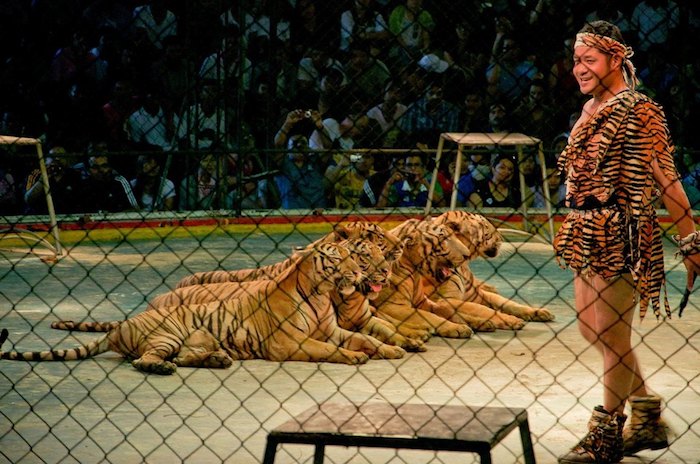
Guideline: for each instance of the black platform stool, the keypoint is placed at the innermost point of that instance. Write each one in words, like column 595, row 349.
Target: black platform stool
column 412, row 426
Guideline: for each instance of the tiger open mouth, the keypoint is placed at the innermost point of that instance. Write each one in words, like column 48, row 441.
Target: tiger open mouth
column 370, row 289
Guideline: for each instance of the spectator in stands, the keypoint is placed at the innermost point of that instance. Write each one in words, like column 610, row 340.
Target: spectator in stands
column 173, row 73
column 347, row 178
column 64, row 183
column 557, row 190
column 497, row 190
column 374, row 184
column 367, row 76
column 474, row 116
column 563, row 87
column 388, row 114
column 411, row 27
column 410, row 186
column 508, row 74
column 9, row 197
column 499, row 119
column 227, row 66
column 149, row 127
column 535, row 116
column 476, row 170
column 152, row 191
column 654, row 21
column 157, row 20
column 121, row 104
column 301, row 184
column 204, row 124
column 244, row 170
column 446, row 173
column 608, row 11
column 430, row 115
column 311, row 26
column 203, row 190
column 306, row 123
column 314, row 66
column 363, row 23
column 105, row 189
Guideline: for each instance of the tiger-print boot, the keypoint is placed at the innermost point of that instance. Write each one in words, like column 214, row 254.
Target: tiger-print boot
column 646, row 429
column 603, row 442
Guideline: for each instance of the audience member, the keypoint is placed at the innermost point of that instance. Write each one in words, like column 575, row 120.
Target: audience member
column 244, row 189
column 152, row 190
column 157, row 20
column 474, row 117
column 301, row 184
column 367, row 76
column 116, row 111
column 535, row 115
column 9, row 197
column 499, row 119
column 348, row 176
column 227, row 66
column 557, row 191
column 105, row 190
column 314, row 66
column 476, row 170
column 149, row 127
column 431, row 115
column 374, row 184
column 508, row 73
column 497, row 190
column 411, row 27
column 410, row 187
column 203, row 189
column 388, row 114
column 64, row 184
column 363, row 23
column 204, row 123
column 654, row 21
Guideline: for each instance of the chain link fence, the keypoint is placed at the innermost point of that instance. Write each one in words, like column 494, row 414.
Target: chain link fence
column 181, row 137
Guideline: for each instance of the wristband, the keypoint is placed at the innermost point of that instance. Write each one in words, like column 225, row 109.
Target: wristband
column 688, row 245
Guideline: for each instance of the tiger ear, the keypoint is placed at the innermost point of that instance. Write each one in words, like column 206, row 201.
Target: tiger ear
column 412, row 238
column 341, row 231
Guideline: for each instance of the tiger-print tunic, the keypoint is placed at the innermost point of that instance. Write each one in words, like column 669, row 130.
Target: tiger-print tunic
column 612, row 228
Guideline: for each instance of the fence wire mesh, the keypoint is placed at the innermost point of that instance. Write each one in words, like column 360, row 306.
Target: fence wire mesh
column 182, row 137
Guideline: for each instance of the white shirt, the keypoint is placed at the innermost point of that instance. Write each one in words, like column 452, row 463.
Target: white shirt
column 143, row 17
column 167, row 191
column 145, row 127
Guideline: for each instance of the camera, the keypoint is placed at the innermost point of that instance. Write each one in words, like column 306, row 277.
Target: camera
column 355, row 158
column 307, row 113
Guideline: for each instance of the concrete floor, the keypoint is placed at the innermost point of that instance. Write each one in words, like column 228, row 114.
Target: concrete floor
column 103, row 410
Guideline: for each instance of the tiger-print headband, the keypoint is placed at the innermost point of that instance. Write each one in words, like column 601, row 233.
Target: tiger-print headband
column 613, row 47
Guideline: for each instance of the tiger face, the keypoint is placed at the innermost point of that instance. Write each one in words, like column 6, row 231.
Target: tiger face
column 376, row 270
column 435, row 249
column 336, row 268
column 475, row 231
column 390, row 245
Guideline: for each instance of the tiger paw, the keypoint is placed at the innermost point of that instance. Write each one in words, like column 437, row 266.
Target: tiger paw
column 389, row 352
column 452, row 330
column 412, row 344
column 159, row 367
column 356, row 357
column 542, row 315
column 218, row 360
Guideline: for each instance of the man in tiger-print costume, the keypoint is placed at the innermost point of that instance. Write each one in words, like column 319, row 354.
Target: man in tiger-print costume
column 242, row 327
column 618, row 153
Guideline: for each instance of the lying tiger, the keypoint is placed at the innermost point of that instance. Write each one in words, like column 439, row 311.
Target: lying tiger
column 352, row 311
column 482, row 239
column 389, row 244
column 242, row 327
column 429, row 248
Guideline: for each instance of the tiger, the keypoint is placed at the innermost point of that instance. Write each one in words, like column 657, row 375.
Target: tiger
column 484, row 240
column 428, row 248
column 390, row 245
column 352, row 311
column 243, row 327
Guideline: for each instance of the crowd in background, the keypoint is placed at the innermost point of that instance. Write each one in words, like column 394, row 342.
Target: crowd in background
column 188, row 105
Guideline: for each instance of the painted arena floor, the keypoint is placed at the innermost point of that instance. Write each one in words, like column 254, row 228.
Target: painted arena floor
column 103, row 410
